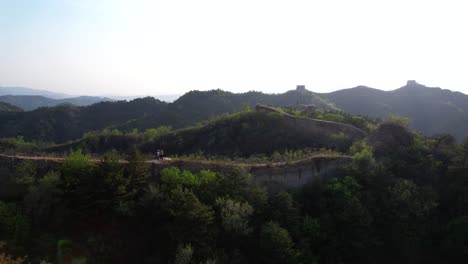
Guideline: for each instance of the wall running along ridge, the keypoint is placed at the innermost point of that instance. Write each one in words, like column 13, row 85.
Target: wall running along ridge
column 316, row 125
column 274, row 176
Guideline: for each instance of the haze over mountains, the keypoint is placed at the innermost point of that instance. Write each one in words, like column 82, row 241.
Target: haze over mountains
column 29, row 91
column 430, row 110
column 31, row 102
column 30, row 99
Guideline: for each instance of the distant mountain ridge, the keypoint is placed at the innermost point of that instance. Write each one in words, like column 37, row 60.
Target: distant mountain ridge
column 31, row 102
column 55, row 95
column 166, row 98
column 62, row 123
column 431, row 110
column 30, row 91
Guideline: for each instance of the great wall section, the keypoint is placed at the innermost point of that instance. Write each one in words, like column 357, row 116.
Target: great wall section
column 274, row 176
column 314, row 125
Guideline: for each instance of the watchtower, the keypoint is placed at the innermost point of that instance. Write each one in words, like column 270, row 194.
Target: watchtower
column 300, row 88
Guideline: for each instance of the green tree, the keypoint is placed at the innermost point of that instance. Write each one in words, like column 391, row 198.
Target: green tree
column 137, row 172
column 77, row 172
column 110, row 182
column 234, row 215
column 25, row 172
column 190, row 221
column 155, row 132
column 234, row 184
column 276, row 246
column 345, row 220
column 207, row 177
column 173, row 176
column 401, row 120
column 406, row 220
column 246, row 107
column 14, row 225
column 284, row 212
column 311, row 237
column 363, row 158
column 43, row 199
column 184, row 254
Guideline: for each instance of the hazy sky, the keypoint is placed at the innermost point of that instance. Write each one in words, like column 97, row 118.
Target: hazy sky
column 172, row 46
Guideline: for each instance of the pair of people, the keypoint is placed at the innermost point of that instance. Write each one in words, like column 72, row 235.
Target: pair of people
column 160, row 154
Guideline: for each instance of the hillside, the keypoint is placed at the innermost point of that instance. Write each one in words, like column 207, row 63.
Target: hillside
column 255, row 133
column 430, row 110
column 63, row 123
column 197, row 104
column 236, row 135
column 6, row 107
column 382, row 203
column 31, row 102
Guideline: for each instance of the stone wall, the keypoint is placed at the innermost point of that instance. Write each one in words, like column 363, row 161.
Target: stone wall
column 278, row 176
column 316, row 126
column 298, row 174
column 275, row 176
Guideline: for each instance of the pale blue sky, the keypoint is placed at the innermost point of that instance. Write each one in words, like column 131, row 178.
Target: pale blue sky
column 172, row 46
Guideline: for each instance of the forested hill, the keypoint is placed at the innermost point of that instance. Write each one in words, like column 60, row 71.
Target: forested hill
column 6, row 107
column 59, row 124
column 68, row 122
column 430, row 110
column 244, row 134
column 218, row 101
column 401, row 198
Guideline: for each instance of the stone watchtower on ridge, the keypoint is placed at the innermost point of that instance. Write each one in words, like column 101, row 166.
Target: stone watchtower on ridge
column 300, row 88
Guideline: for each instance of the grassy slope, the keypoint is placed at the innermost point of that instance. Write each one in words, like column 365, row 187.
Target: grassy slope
column 241, row 134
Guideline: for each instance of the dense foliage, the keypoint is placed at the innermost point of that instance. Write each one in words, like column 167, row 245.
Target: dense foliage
column 430, row 110
column 310, row 111
column 402, row 199
column 62, row 123
column 249, row 133
column 244, row 134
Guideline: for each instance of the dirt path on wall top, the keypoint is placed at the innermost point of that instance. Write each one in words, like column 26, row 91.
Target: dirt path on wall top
column 58, row 159
column 274, row 109
column 169, row 161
